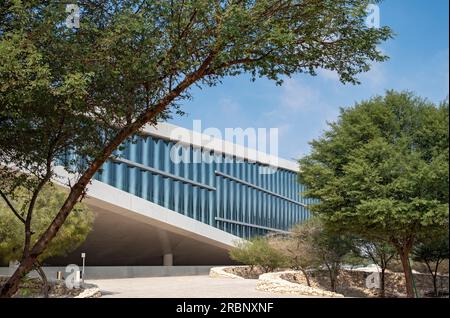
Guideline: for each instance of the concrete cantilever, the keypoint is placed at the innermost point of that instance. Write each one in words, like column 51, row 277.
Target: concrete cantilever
column 101, row 195
column 131, row 231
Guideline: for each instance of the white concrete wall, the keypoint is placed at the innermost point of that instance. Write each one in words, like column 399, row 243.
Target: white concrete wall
column 110, row 272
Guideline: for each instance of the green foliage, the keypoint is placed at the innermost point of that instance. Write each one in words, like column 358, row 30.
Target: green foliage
column 258, row 252
column 67, row 89
column 331, row 247
column 381, row 171
column 378, row 253
column 297, row 250
column 322, row 247
column 433, row 251
column 78, row 94
column 70, row 236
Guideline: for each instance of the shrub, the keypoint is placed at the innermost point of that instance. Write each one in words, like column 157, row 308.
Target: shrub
column 259, row 252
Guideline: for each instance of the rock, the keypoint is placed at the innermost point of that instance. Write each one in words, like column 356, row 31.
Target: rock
column 273, row 282
column 220, row 272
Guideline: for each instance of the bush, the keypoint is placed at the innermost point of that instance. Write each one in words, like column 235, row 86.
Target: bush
column 259, row 252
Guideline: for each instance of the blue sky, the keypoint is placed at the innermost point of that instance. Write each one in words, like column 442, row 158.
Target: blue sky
column 300, row 108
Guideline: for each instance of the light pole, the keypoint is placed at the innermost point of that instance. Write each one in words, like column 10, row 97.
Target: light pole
column 83, row 256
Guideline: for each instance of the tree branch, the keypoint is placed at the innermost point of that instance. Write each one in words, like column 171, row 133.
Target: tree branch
column 11, row 206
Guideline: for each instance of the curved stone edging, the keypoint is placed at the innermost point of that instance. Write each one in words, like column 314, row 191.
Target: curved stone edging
column 272, row 282
column 219, row 272
column 92, row 291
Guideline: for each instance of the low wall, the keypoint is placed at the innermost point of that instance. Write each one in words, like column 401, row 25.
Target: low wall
column 352, row 283
column 243, row 272
column 274, row 283
column 223, row 272
column 269, row 282
column 110, row 272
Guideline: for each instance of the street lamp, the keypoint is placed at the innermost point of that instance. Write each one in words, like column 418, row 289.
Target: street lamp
column 83, row 256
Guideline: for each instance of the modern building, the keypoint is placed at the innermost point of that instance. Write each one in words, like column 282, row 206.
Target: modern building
column 178, row 197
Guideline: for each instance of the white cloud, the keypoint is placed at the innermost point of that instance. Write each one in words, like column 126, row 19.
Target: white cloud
column 296, row 96
column 375, row 77
column 328, row 74
column 227, row 105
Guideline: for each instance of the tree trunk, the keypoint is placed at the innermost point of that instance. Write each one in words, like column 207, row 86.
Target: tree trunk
column 333, row 279
column 34, row 197
column 11, row 286
column 46, row 287
column 383, row 283
column 306, row 277
column 434, row 277
column 436, row 291
column 332, row 282
column 404, row 257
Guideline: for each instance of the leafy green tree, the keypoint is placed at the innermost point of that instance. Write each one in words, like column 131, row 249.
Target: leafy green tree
column 381, row 172
column 380, row 254
column 84, row 91
column 258, row 252
column 70, row 236
column 432, row 251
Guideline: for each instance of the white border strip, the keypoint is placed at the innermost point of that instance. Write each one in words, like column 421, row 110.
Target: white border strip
column 169, row 131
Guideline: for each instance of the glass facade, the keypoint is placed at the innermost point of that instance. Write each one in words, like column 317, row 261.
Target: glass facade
column 220, row 190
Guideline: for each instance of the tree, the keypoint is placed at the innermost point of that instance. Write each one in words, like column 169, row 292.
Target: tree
column 432, row 251
column 297, row 253
column 70, row 236
column 298, row 248
column 84, row 91
column 331, row 248
column 311, row 246
column 380, row 253
column 258, row 252
column 381, row 172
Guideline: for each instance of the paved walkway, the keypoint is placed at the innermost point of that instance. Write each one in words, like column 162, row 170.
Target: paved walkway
column 182, row 286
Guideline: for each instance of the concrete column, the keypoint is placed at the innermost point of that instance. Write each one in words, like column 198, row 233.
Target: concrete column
column 168, row 259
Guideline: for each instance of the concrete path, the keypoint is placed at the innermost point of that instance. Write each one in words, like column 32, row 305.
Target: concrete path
column 181, row 287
